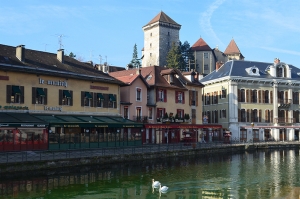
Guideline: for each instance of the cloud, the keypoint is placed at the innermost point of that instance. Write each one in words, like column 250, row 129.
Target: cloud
column 281, row 50
column 206, row 17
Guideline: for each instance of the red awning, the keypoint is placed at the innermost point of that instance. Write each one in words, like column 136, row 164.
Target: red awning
column 182, row 126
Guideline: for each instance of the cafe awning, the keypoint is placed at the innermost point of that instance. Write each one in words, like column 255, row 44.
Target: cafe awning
column 112, row 97
column 40, row 92
column 12, row 119
column 88, row 121
column 100, row 96
column 16, row 90
column 67, row 94
column 88, row 95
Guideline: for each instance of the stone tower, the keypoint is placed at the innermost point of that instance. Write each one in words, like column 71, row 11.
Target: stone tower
column 159, row 34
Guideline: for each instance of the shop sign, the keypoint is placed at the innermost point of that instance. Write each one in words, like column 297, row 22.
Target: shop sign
column 54, row 83
column 24, row 125
column 99, row 87
column 53, row 108
column 14, row 107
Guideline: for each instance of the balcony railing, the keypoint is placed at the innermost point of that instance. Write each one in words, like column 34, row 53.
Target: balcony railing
column 284, row 120
column 284, row 103
column 142, row 119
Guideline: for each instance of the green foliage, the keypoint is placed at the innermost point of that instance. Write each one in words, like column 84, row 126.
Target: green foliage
column 135, row 62
column 186, row 116
column 166, row 115
column 72, row 55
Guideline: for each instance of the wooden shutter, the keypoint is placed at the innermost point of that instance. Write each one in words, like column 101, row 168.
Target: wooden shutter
column 46, row 96
column 248, row 115
column 196, row 95
column 266, row 115
column 165, row 95
column 190, row 97
column 8, row 93
column 157, row 94
column 259, row 96
column 271, row 97
column 259, row 115
column 95, row 99
column 60, row 96
column 82, row 98
column 251, row 96
column 239, row 95
column 33, row 95
column 183, row 98
column 105, row 100
column 286, row 98
column 71, row 99
column 176, row 96
column 220, row 95
column 115, row 102
column 271, row 115
column 263, row 97
column 22, row 95
column 247, row 95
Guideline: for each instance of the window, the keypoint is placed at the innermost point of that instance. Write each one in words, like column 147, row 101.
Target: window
column 161, row 95
column 207, row 99
column 15, row 94
column 39, row 95
column 180, row 113
column 243, row 134
column 243, row 115
column 205, row 55
column 266, row 96
column 126, row 112
column 138, row 114
column 223, row 113
column 295, row 97
column 254, row 96
column 205, row 66
column 150, row 45
column 150, row 54
column 151, row 34
column 100, row 99
column 150, row 113
column 179, row 97
column 112, row 102
column 168, row 33
column 224, row 93
column 193, row 98
column 242, row 96
column 86, row 98
column 65, row 97
column 138, row 94
column 160, row 112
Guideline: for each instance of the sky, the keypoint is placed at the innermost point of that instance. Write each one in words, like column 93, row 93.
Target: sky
column 107, row 30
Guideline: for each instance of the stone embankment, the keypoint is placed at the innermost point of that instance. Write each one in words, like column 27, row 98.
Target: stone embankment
column 45, row 160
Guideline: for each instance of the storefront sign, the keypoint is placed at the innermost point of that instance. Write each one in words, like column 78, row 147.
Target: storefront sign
column 99, row 87
column 24, row 125
column 51, row 108
column 4, row 77
column 54, row 83
column 14, row 107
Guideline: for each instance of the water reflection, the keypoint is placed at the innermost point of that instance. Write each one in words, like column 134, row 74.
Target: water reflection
column 264, row 174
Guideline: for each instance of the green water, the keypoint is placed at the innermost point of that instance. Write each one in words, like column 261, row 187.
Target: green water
column 261, row 174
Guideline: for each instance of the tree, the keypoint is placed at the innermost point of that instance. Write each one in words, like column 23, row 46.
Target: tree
column 180, row 56
column 72, row 55
column 135, row 62
column 174, row 58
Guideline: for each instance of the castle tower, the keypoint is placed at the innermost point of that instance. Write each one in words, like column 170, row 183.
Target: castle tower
column 159, row 34
column 233, row 52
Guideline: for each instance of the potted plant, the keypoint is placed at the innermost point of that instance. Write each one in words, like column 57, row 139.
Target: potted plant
column 186, row 117
column 178, row 119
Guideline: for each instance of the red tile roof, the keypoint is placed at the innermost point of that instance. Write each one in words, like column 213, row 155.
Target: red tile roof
column 232, row 48
column 162, row 17
column 127, row 79
column 201, row 45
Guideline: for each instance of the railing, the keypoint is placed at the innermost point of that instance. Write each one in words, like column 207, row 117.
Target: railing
column 284, row 120
column 34, row 156
column 143, row 119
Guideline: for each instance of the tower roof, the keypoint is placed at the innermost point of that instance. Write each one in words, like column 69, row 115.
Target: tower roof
column 232, row 48
column 201, row 45
column 162, row 17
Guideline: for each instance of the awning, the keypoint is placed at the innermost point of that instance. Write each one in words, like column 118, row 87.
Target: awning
column 67, row 94
column 88, row 121
column 100, row 96
column 112, row 97
column 23, row 120
column 16, row 90
column 183, row 126
column 40, row 92
column 88, row 95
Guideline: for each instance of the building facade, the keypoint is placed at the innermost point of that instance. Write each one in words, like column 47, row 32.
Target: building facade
column 255, row 101
column 52, row 101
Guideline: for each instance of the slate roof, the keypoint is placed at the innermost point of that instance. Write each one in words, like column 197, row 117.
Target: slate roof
column 237, row 68
column 39, row 62
column 162, row 17
column 201, row 45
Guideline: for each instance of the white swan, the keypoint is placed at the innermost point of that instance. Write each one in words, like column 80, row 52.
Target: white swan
column 155, row 184
column 163, row 188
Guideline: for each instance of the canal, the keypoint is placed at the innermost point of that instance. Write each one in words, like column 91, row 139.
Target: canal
column 258, row 174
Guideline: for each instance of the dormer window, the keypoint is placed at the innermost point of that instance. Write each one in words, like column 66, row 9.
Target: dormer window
column 253, row 71
column 171, row 78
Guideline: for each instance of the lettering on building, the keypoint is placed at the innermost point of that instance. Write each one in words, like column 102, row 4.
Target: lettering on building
column 54, row 83
column 14, row 107
column 52, row 108
column 99, row 87
column 4, row 77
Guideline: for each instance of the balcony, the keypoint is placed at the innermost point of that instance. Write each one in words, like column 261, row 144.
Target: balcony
column 142, row 119
column 284, row 103
column 282, row 120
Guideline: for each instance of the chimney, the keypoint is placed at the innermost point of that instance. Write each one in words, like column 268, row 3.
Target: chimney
column 218, row 65
column 138, row 71
column 20, row 52
column 276, row 61
column 60, row 55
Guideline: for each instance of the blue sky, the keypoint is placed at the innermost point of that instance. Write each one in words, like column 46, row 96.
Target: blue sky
column 262, row 29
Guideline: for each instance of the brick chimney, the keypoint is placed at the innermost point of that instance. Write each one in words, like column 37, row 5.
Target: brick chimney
column 20, row 52
column 218, row 65
column 60, row 55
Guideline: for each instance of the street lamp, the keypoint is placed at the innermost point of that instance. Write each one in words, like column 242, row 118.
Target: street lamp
column 252, row 124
